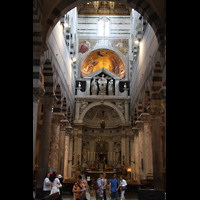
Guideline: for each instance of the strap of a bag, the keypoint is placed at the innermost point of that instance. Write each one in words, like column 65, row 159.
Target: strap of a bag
column 79, row 186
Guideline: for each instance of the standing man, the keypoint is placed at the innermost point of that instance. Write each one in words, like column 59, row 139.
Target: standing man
column 99, row 194
column 47, row 186
column 114, row 187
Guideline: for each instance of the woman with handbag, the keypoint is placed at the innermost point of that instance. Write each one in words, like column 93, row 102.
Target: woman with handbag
column 79, row 189
column 55, row 185
column 123, row 187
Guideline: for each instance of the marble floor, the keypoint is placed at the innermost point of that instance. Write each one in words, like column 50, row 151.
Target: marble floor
column 67, row 197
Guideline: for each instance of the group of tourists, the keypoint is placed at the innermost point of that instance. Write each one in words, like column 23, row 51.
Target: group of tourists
column 82, row 192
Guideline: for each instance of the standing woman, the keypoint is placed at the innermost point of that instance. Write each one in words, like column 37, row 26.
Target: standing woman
column 55, row 184
column 104, row 180
column 123, row 185
column 79, row 188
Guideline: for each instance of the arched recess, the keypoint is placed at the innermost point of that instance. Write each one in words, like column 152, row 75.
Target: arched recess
column 64, row 107
column 48, row 77
column 57, row 107
column 148, row 9
column 156, row 85
column 147, row 100
column 68, row 114
column 106, row 104
column 140, row 109
column 109, row 48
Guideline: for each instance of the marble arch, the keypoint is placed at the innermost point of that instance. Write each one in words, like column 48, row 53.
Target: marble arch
column 106, row 104
column 152, row 12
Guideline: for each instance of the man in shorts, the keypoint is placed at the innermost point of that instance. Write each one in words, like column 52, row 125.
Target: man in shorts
column 114, row 187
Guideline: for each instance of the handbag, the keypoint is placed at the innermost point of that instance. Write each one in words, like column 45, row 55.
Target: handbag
column 59, row 186
column 83, row 196
column 123, row 188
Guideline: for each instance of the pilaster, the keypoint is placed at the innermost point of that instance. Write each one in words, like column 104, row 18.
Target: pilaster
column 155, row 112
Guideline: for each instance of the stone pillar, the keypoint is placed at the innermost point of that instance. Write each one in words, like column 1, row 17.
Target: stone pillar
column 69, row 170
column 37, row 93
column 126, row 106
column 140, row 126
column 47, row 101
column 155, row 112
column 136, row 144
column 63, row 125
column 78, row 143
column 132, row 156
column 77, row 109
column 123, row 146
column 55, row 140
column 148, row 154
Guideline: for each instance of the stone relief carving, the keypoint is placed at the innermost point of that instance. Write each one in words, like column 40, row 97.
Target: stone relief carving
column 84, row 104
column 120, row 105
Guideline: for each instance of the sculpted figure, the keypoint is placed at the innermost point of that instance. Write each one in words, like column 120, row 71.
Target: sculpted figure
column 110, row 87
column 102, row 85
column 94, row 87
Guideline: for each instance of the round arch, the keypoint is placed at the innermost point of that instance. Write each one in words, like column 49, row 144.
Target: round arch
column 106, row 104
column 149, row 9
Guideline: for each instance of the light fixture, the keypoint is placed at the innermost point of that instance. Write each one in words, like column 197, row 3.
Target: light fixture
column 136, row 40
column 74, row 59
column 66, row 25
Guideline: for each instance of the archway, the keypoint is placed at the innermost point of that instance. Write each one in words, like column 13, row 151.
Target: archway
column 106, row 104
column 152, row 12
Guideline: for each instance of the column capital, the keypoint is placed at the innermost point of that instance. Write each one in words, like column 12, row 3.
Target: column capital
column 56, row 117
column 146, row 117
column 135, row 131
column 69, row 130
column 48, row 101
column 155, row 111
column 38, row 92
column 63, row 124
column 140, row 124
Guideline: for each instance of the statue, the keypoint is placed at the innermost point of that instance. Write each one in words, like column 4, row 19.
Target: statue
column 117, row 155
column 110, row 87
column 102, row 85
column 94, row 87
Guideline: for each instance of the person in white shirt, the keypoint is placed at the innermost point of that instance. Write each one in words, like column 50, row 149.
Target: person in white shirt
column 55, row 184
column 99, row 193
column 47, row 185
column 122, row 184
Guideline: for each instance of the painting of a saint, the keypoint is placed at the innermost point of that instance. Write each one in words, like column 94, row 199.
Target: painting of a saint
column 84, row 46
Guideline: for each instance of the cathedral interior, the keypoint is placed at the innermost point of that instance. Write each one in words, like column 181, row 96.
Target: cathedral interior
column 99, row 90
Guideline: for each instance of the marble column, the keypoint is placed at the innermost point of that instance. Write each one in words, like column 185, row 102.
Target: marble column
column 63, row 125
column 55, row 140
column 148, row 154
column 132, row 156
column 70, row 157
column 37, row 93
column 155, row 112
column 136, row 144
column 123, row 146
column 47, row 101
column 126, row 106
column 77, row 109
column 140, row 126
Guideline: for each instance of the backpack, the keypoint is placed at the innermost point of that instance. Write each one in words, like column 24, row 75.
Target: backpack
column 95, row 187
